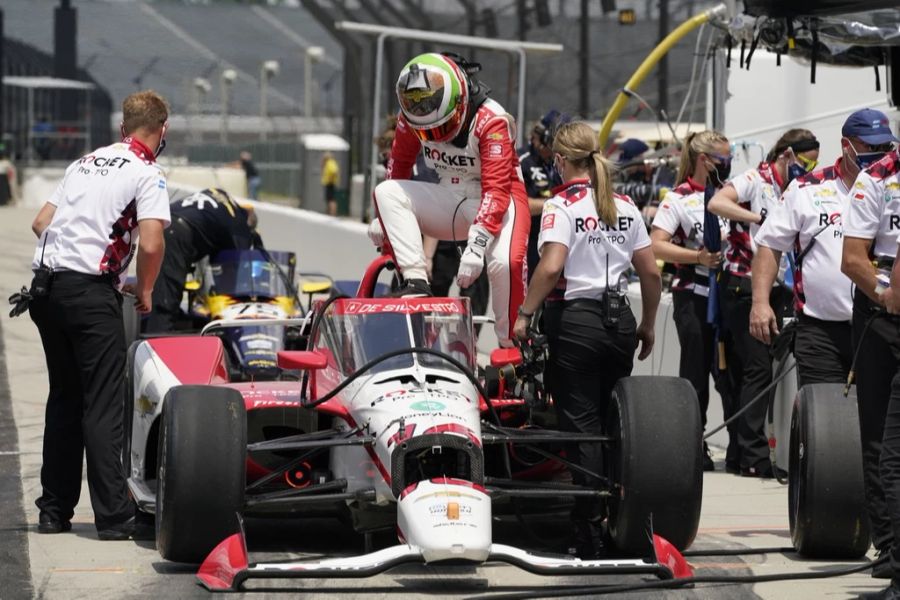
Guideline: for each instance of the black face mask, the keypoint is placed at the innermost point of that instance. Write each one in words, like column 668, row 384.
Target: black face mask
column 720, row 173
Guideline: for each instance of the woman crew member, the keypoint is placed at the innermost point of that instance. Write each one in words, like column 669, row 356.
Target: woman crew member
column 677, row 236
column 589, row 237
column 745, row 201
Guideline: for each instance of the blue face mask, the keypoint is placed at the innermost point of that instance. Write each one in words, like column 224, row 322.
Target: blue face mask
column 794, row 171
column 866, row 159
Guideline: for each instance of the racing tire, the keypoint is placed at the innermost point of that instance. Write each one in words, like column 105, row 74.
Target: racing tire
column 826, row 497
column 201, row 470
column 654, row 462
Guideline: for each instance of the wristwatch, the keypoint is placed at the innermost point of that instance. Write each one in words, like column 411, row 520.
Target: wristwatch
column 521, row 312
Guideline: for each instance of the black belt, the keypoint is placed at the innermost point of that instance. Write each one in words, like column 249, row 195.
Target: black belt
column 560, row 303
column 107, row 278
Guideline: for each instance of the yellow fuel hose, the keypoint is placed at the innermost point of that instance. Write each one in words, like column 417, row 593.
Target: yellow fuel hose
column 650, row 62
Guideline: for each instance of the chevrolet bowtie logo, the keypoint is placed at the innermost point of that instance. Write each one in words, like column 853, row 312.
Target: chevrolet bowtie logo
column 418, row 95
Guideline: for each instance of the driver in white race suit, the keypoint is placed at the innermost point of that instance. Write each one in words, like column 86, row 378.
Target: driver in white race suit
column 468, row 140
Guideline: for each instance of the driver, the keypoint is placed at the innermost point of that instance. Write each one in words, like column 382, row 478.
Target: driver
column 202, row 225
column 467, row 139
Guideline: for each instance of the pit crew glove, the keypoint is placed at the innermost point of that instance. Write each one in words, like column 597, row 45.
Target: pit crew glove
column 472, row 261
column 19, row 302
column 376, row 234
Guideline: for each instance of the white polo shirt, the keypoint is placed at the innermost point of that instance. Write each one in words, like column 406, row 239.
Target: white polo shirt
column 99, row 202
column 875, row 206
column 682, row 214
column 598, row 254
column 814, row 207
column 758, row 190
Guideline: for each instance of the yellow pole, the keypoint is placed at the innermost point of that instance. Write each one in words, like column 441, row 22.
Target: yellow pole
column 650, row 62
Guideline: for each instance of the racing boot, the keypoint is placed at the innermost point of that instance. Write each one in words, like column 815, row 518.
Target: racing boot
column 412, row 288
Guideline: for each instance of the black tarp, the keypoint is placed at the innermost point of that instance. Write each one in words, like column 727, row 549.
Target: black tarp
column 794, row 8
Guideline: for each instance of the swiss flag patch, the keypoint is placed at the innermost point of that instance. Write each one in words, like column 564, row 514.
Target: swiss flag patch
column 547, row 221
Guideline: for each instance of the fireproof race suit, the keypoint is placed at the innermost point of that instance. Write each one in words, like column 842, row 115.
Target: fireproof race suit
column 480, row 197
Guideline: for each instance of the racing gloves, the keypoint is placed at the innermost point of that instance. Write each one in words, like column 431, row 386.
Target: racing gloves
column 472, row 261
column 376, row 233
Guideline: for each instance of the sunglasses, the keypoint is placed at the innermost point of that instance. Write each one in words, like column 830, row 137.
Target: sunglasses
column 723, row 159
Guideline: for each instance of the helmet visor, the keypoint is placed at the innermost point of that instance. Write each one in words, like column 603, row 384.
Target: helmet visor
column 444, row 132
column 421, row 93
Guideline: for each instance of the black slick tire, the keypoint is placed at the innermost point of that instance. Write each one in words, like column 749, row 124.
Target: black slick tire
column 202, row 470
column 826, row 497
column 655, row 462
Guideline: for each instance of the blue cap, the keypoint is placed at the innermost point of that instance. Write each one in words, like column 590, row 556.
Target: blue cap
column 550, row 118
column 869, row 125
column 630, row 149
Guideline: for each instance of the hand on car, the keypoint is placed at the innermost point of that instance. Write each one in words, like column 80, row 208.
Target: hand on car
column 763, row 325
column 520, row 329
column 472, row 261
column 376, row 233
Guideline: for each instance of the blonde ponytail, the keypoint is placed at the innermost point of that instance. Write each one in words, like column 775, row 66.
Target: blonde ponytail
column 604, row 200
column 577, row 142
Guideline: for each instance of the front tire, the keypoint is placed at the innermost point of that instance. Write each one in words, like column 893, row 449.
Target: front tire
column 655, row 469
column 201, row 470
column 826, row 497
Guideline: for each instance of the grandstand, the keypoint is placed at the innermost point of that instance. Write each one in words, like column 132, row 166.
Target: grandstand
column 125, row 45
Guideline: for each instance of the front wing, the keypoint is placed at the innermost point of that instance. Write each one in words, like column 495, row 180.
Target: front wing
column 228, row 567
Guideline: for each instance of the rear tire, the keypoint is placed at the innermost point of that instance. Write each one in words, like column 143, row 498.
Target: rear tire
column 201, row 470
column 655, row 462
column 826, row 497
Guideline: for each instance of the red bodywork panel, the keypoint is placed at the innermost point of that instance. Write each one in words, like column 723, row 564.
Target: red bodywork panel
column 193, row 360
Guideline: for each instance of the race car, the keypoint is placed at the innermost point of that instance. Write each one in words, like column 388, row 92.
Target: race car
column 383, row 419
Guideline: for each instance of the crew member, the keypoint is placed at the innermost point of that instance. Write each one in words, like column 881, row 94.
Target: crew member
column 871, row 231
column 745, row 201
column 539, row 176
column 810, row 224
column 467, row 138
column 87, row 232
column 677, row 236
column 591, row 236
column 202, row 224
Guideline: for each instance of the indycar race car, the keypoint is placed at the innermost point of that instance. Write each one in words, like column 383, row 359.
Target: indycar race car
column 382, row 419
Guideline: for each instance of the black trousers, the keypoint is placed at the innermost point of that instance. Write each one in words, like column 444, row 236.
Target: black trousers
column 750, row 358
column 878, row 401
column 823, row 350
column 586, row 361
column 181, row 253
column 697, row 340
column 81, row 329
column 444, row 266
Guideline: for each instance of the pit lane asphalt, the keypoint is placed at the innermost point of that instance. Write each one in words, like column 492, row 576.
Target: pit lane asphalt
column 737, row 513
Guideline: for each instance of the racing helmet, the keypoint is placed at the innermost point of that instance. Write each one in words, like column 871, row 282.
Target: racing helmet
column 433, row 93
